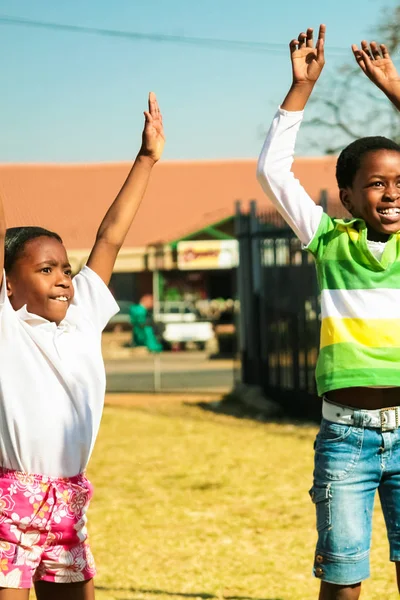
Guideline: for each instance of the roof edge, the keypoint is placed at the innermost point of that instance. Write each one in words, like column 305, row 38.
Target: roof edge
column 127, row 163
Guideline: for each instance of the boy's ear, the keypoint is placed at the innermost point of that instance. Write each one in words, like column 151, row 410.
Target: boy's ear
column 345, row 199
column 8, row 287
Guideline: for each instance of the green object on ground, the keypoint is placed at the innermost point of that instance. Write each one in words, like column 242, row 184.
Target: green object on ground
column 142, row 329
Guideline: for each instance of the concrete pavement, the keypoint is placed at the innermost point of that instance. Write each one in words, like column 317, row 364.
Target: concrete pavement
column 136, row 370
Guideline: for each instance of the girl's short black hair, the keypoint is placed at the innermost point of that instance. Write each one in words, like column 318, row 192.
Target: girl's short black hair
column 17, row 237
column 350, row 158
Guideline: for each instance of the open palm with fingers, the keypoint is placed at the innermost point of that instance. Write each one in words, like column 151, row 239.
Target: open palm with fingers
column 307, row 60
column 378, row 66
column 153, row 138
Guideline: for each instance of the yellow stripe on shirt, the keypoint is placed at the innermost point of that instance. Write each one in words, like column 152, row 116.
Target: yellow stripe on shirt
column 373, row 333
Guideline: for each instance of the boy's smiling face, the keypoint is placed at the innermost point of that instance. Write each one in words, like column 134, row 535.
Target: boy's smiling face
column 41, row 279
column 374, row 195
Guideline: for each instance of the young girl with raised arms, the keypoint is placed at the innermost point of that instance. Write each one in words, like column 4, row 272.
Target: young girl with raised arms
column 52, row 386
column 357, row 449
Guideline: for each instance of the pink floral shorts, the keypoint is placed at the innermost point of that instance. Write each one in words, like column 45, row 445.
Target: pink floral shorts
column 43, row 533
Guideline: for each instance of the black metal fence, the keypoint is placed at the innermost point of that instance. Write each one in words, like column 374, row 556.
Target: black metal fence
column 279, row 312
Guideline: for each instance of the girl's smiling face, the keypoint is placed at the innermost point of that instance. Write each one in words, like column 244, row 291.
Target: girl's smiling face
column 374, row 195
column 41, row 278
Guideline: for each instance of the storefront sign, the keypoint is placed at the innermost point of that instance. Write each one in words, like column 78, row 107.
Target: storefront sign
column 208, row 254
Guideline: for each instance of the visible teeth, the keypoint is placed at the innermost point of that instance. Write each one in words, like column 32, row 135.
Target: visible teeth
column 62, row 298
column 389, row 211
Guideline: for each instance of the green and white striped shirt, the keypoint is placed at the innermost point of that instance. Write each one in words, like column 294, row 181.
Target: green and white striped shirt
column 360, row 287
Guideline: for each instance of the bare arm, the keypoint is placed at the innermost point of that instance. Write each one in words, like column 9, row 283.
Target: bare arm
column 377, row 65
column 119, row 217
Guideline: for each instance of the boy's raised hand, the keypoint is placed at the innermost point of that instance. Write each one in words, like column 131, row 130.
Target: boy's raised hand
column 307, row 60
column 307, row 63
column 376, row 63
column 153, row 138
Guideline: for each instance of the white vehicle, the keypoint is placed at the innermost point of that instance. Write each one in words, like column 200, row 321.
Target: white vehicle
column 182, row 324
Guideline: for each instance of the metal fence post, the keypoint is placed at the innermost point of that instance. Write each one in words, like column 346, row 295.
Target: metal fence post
column 243, row 285
column 278, row 311
column 323, row 199
column 255, row 345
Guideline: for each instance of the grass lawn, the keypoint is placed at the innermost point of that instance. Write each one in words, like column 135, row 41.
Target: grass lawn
column 190, row 504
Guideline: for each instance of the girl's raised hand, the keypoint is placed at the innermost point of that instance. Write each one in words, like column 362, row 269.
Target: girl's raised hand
column 376, row 63
column 153, row 138
column 307, row 60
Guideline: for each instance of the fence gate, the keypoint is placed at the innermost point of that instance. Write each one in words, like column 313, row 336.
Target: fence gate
column 279, row 312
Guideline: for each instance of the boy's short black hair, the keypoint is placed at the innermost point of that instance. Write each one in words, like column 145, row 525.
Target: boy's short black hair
column 350, row 158
column 17, row 237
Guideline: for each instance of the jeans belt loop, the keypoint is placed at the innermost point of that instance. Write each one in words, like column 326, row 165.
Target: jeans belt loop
column 359, row 419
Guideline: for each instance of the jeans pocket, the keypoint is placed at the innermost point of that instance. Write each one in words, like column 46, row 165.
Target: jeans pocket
column 321, row 497
column 334, row 432
column 337, row 450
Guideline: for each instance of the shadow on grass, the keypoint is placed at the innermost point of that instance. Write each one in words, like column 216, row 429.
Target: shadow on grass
column 202, row 595
column 280, row 406
column 233, row 408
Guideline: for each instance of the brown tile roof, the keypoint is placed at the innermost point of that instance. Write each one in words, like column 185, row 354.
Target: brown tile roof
column 182, row 197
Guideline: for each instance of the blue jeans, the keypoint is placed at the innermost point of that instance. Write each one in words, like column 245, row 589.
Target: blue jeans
column 351, row 463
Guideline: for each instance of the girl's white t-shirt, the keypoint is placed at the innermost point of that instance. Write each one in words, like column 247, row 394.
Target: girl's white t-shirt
column 52, row 381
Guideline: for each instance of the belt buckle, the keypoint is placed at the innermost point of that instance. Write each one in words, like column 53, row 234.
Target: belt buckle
column 389, row 418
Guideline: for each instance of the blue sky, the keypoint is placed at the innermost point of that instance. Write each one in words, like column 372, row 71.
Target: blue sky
column 73, row 97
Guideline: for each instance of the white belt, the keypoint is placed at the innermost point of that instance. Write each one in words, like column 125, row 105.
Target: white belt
column 385, row 419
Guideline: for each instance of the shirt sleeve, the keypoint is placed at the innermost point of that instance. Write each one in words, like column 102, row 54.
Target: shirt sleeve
column 93, row 298
column 278, row 181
